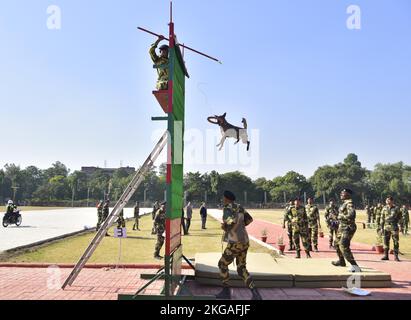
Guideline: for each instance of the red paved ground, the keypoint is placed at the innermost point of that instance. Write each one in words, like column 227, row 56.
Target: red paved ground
column 102, row 284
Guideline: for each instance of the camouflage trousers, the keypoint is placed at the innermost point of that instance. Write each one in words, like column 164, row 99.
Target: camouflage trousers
column 159, row 244
column 162, row 84
column 343, row 242
column 395, row 235
column 313, row 236
column 404, row 226
column 300, row 233
column 332, row 234
column 290, row 234
column 238, row 252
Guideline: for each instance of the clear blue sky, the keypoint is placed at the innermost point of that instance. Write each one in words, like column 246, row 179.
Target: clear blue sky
column 314, row 89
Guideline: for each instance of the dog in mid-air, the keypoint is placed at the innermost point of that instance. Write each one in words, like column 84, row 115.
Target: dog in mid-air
column 230, row 131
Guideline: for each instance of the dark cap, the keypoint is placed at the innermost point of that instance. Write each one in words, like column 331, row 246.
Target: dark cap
column 164, row 47
column 297, row 199
column 163, row 203
column 349, row 191
column 229, row 195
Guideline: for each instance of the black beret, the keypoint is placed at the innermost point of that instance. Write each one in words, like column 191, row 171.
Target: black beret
column 164, row 47
column 349, row 191
column 163, row 203
column 229, row 195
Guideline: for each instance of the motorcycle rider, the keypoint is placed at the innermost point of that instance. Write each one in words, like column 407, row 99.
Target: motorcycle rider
column 10, row 209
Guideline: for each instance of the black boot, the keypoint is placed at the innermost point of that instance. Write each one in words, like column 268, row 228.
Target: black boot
column 224, row 294
column 339, row 263
column 298, row 256
column 316, row 248
column 308, row 254
column 386, row 257
column 396, row 256
column 256, row 294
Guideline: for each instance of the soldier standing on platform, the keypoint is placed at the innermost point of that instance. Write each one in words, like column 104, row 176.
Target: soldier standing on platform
column 161, row 63
column 235, row 220
column 346, row 231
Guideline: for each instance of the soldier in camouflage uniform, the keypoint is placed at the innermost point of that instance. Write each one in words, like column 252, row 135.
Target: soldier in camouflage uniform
column 369, row 213
column 121, row 222
column 99, row 214
column 287, row 220
column 346, row 231
column 405, row 221
column 106, row 211
column 161, row 63
column 160, row 227
column 331, row 217
column 314, row 224
column 235, row 219
column 299, row 222
column 153, row 216
column 390, row 219
column 373, row 214
column 377, row 212
column 136, row 216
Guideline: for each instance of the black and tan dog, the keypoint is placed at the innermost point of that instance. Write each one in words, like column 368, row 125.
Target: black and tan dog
column 230, row 131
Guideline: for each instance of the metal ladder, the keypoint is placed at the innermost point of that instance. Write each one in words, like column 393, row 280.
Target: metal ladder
column 121, row 203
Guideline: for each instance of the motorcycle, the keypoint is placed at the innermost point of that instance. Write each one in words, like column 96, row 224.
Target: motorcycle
column 13, row 218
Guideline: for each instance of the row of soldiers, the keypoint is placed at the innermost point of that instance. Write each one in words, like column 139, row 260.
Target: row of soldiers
column 374, row 216
column 303, row 224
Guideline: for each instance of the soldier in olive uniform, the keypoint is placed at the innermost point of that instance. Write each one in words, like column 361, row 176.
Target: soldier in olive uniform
column 160, row 227
column 136, row 216
column 153, row 215
column 287, row 219
column 369, row 213
column 346, row 231
column 373, row 214
column 106, row 211
column 161, row 63
column 405, row 221
column 314, row 224
column 99, row 214
column 235, row 220
column 299, row 222
column 377, row 212
column 331, row 217
column 390, row 219
column 121, row 222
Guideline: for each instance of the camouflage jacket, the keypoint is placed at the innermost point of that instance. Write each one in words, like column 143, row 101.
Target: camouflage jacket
column 313, row 215
column 331, row 214
column 347, row 215
column 377, row 212
column 390, row 218
column 405, row 216
column 160, row 63
column 106, row 210
column 10, row 208
column 100, row 209
column 233, row 224
column 160, row 222
column 287, row 217
column 298, row 217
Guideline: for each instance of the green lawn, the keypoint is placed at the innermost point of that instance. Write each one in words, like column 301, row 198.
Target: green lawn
column 3, row 208
column 137, row 248
column 367, row 236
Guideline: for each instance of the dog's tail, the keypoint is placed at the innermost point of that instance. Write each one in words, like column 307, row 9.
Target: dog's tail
column 245, row 123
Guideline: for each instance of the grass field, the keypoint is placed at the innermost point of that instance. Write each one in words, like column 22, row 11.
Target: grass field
column 367, row 236
column 137, row 248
